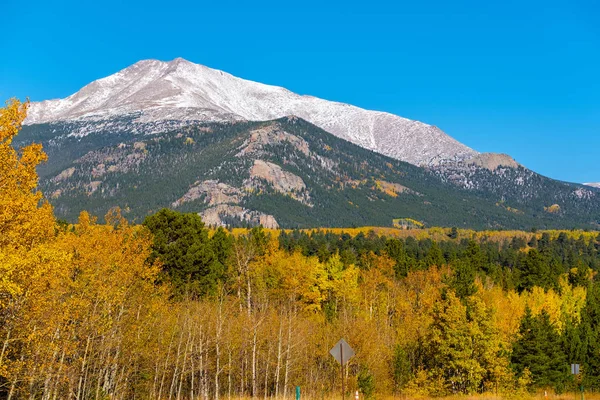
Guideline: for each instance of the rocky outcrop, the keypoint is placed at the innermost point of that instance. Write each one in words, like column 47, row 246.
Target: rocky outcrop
column 493, row 161
column 221, row 214
column 272, row 134
column 66, row 174
column 283, row 181
column 92, row 186
column 213, row 192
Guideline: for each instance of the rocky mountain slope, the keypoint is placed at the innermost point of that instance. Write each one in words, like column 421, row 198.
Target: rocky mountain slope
column 596, row 185
column 154, row 96
column 290, row 173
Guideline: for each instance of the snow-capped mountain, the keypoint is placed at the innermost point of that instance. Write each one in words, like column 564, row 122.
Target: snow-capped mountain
column 596, row 185
column 180, row 92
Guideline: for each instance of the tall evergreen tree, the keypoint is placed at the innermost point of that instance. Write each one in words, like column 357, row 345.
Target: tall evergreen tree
column 535, row 271
column 395, row 249
column 463, row 281
column 539, row 349
column 182, row 245
column 590, row 336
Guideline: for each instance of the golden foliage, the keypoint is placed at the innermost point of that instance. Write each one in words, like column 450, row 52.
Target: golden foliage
column 24, row 219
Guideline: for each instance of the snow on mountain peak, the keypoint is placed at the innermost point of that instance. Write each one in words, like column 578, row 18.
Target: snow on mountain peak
column 180, row 90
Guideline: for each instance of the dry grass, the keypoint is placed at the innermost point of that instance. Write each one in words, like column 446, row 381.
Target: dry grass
column 564, row 396
column 540, row 396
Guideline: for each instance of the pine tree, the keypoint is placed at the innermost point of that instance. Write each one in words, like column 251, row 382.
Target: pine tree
column 395, row 249
column 463, row 281
column 539, row 350
column 435, row 256
column 590, row 336
column 535, row 271
column 182, row 244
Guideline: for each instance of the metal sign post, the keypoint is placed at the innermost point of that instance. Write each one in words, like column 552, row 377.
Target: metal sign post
column 575, row 370
column 342, row 352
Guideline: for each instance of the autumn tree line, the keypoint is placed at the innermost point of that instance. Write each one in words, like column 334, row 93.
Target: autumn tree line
column 171, row 309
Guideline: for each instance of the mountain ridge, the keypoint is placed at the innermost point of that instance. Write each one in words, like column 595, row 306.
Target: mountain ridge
column 153, row 91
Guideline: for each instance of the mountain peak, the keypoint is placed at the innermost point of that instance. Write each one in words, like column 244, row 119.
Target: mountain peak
column 179, row 91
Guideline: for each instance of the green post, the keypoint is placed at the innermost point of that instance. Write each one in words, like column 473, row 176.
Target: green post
column 582, row 397
column 297, row 392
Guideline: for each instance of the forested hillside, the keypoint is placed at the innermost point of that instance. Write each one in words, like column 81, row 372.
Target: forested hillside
column 288, row 173
column 172, row 309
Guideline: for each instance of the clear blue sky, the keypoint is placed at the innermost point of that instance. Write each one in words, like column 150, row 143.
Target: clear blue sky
column 520, row 77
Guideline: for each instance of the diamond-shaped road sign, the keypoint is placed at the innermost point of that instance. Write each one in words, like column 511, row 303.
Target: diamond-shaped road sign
column 342, row 352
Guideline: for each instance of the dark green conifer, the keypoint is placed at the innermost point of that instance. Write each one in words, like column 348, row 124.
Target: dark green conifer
column 539, row 349
column 590, row 336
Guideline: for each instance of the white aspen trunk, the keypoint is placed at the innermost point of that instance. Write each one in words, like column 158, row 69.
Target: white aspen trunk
column 205, row 385
column 31, row 380
column 176, row 371
column 288, row 357
column 185, row 358
column 55, row 385
column 4, row 346
column 267, row 373
column 193, row 370
column 248, row 293
column 113, row 367
column 155, row 383
column 243, row 373
column 243, row 255
column 47, row 372
column 13, row 384
column 278, row 367
column 83, row 364
column 162, row 381
column 229, row 376
column 104, row 360
column 254, row 363
column 82, row 391
column 87, row 385
column 111, row 371
column 217, row 369
column 202, row 372
column 219, row 327
column 46, row 392
column 118, row 374
column 100, row 362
